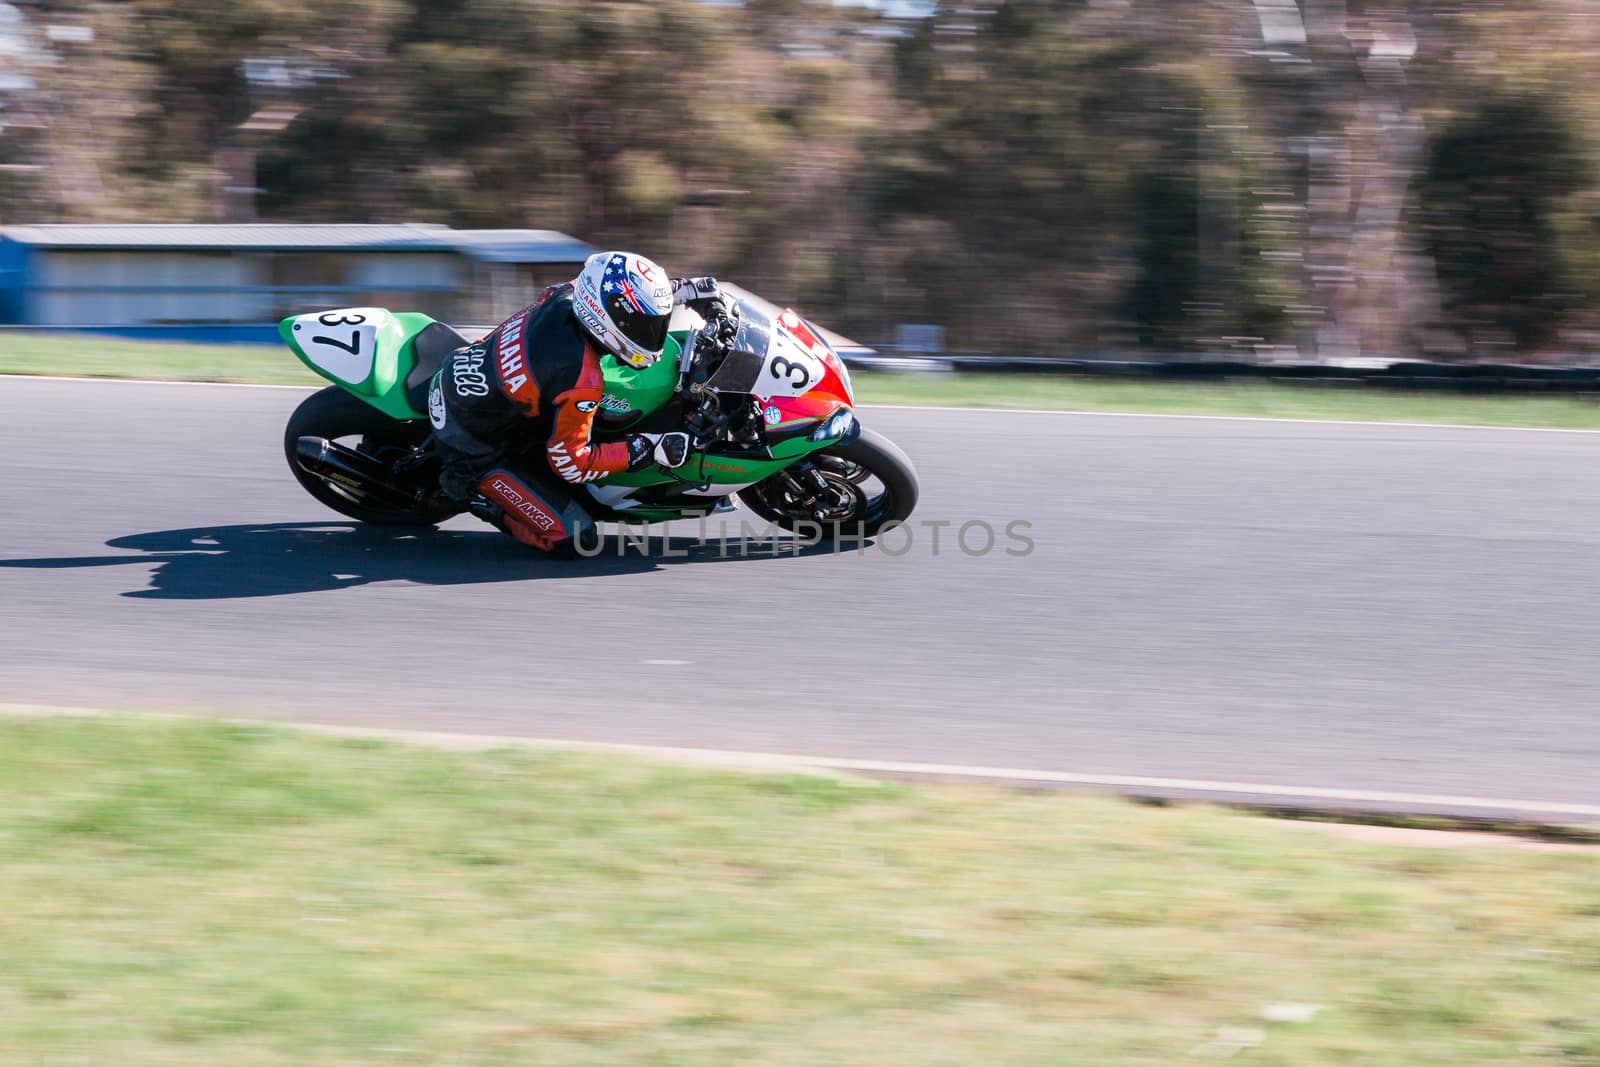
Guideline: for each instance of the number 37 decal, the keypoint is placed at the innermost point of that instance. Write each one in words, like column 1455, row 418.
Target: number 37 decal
column 334, row 319
column 343, row 343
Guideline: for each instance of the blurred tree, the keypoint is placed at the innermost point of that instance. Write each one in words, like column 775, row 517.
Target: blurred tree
column 1491, row 190
column 72, row 130
column 1166, row 203
column 1036, row 175
column 1047, row 189
column 523, row 112
column 796, row 227
column 214, row 67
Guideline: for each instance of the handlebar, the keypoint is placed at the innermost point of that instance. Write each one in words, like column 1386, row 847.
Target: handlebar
column 704, row 352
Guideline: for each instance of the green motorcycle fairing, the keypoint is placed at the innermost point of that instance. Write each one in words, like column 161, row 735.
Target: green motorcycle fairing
column 368, row 352
column 633, row 393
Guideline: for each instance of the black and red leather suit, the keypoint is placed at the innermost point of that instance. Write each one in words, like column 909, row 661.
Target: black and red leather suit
column 536, row 377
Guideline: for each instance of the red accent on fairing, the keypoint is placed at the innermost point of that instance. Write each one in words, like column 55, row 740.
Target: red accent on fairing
column 797, row 326
column 834, row 382
column 828, row 395
column 814, row 405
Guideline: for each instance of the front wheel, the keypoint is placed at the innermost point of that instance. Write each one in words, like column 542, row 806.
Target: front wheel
column 864, row 486
column 334, row 414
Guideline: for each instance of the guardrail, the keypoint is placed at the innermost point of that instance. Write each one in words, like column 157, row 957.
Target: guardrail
column 1401, row 374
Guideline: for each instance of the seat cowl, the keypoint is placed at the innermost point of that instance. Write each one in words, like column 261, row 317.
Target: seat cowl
column 430, row 348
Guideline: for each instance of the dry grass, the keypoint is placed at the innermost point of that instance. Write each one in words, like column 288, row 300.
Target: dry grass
column 183, row 894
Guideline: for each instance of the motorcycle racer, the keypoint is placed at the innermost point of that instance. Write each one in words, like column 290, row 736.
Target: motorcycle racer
column 537, row 376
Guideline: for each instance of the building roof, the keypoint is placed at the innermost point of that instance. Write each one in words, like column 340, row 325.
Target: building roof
column 521, row 246
column 494, row 246
column 254, row 236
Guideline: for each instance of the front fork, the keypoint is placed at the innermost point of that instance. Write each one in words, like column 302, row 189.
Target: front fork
column 810, row 489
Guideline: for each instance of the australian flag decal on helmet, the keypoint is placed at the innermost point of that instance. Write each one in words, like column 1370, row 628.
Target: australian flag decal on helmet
column 616, row 282
column 632, row 284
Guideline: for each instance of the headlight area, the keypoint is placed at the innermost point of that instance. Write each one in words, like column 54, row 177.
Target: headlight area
column 841, row 424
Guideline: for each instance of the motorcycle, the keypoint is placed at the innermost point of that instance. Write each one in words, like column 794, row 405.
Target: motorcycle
column 768, row 405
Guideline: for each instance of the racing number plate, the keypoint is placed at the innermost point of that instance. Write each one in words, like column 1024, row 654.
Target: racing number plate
column 341, row 342
column 789, row 370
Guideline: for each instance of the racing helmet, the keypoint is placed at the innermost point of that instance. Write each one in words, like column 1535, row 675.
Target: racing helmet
column 625, row 302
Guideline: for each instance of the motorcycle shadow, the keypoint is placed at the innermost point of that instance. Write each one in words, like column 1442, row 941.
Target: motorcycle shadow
column 279, row 559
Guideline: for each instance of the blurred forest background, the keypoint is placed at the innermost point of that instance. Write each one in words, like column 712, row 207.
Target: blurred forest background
column 1269, row 178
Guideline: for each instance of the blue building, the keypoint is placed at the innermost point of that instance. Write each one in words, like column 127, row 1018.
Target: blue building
column 234, row 282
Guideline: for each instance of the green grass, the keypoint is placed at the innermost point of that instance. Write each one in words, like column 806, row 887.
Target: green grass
column 89, row 356
column 201, row 894
column 1260, row 399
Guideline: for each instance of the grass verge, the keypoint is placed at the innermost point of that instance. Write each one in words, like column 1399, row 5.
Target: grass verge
column 188, row 894
column 1255, row 399
column 93, row 356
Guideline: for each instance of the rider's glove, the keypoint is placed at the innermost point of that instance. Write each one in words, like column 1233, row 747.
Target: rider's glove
column 703, row 296
column 693, row 291
column 667, row 449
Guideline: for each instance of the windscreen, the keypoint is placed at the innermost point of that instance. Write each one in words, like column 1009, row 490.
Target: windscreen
column 755, row 330
column 740, row 372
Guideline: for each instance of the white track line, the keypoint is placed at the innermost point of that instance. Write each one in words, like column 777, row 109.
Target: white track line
column 941, row 408
column 782, row 762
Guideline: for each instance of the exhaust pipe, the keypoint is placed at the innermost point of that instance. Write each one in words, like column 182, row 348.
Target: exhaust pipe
column 349, row 468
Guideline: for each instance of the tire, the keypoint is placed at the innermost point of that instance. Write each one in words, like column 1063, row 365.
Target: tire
column 333, row 413
column 869, row 456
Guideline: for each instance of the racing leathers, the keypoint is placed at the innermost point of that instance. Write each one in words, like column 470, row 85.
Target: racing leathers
column 537, row 377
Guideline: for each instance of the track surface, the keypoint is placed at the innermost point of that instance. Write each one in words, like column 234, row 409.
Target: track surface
column 1294, row 604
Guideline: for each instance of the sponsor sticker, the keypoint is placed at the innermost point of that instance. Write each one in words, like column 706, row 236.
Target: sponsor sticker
column 467, row 371
column 587, row 406
column 772, row 415
column 563, row 463
column 512, row 356
column 436, row 414
column 523, row 504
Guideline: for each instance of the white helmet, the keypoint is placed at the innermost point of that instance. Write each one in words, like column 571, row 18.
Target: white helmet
column 625, row 302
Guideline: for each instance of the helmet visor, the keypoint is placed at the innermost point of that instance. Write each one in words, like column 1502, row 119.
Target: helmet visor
column 647, row 331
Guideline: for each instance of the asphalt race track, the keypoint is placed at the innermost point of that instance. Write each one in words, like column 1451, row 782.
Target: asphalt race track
column 1356, row 607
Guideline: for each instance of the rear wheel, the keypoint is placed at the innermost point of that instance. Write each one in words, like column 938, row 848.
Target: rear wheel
column 334, row 414
column 852, row 490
